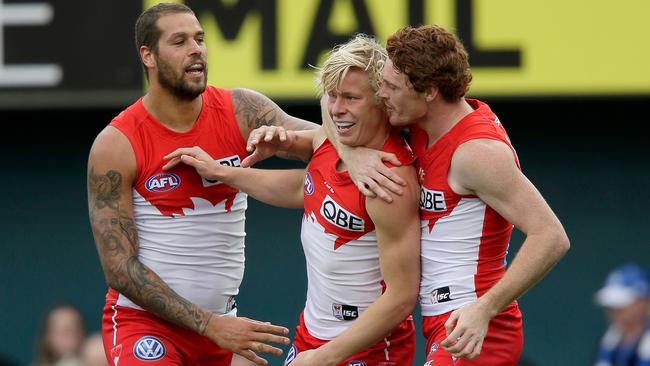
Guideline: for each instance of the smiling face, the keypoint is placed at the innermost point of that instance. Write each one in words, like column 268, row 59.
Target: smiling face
column 180, row 60
column 360, row 120
column 404, row 104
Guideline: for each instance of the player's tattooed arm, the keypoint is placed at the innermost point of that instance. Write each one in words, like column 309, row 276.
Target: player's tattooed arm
column 253, row 110
column 111, row 217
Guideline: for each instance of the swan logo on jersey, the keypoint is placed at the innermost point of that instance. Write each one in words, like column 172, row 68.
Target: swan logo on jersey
column 339, row 216
column 431, row 200
column 291, row 355
column 163, row 182
column 232, row 161
column 356, row 363
column 149, row 348
column 309, row 184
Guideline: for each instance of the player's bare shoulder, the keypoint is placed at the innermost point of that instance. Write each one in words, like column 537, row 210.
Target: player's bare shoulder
column 407, row 201
column 478, row 162
column 112, row 151
column 409, row 174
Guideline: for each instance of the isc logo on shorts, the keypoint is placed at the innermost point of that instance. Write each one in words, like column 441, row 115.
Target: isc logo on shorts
column 339, row 216
column 431, row 200
column 163, row 182
column 227, row 161
column 149, row 348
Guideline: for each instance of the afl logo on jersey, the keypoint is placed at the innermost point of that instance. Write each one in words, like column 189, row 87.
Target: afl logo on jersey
column 149, row 348
column 309, row 184
column 163, row 182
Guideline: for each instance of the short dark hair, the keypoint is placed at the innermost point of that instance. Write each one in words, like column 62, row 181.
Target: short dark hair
column 430, row 56
column 147, row 32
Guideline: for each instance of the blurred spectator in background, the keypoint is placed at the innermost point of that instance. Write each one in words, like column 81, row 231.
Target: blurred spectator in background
column 92, row 351
column 60, row 337
column 626, row 300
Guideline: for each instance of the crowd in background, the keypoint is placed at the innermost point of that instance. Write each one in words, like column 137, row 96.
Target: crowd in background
column 62, row 340
column 624, row 297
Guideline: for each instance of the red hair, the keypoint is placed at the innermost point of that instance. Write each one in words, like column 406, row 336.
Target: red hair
column 430, row 56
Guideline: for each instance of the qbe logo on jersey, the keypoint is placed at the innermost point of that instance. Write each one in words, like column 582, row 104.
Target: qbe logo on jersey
column 149, row 348
column 431, row 200
column 233, row 161
column 339, row 216
column 163, row 182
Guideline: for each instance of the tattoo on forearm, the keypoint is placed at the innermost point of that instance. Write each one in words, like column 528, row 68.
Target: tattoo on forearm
column 116, row 236
column 257, row 110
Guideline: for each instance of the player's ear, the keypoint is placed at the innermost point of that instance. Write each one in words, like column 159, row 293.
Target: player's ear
column 430, row 94
column 147, row 57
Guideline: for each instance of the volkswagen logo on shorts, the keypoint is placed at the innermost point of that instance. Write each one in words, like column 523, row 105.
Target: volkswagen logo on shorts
column 163, row 182
column 149, row 348
column 309, row 184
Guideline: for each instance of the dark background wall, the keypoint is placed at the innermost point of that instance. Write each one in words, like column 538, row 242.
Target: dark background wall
column 588, row 157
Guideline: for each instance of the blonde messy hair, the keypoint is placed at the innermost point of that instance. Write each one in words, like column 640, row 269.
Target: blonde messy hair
column 361, row 52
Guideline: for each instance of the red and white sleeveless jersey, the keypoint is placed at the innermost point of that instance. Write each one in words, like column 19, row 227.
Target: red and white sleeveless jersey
column 340, row 243
column 464, row 241
column 190, row 230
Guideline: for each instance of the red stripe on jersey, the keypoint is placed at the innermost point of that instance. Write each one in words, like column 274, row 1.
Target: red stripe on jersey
column 492, row 251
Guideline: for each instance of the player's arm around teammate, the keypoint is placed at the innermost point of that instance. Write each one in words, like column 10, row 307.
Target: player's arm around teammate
column 254, row 110
column 279, row 187
column 366, row 166
column 398, row 241
column 487, row 168
column 111, row 171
